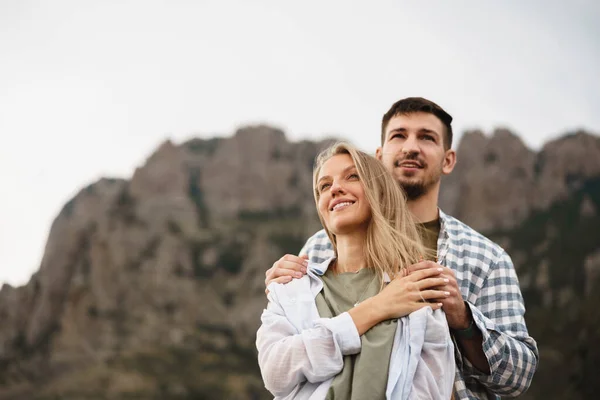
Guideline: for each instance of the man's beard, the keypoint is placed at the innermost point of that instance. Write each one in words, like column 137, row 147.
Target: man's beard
column 416, row 189
column 413, row 190
column 419, row 187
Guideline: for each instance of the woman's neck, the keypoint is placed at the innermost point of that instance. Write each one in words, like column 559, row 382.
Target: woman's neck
column 350, row 252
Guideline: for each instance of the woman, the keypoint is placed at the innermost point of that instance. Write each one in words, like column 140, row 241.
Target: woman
column 355, row 327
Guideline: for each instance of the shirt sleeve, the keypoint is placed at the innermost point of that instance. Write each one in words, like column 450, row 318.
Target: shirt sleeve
column 318, row 248
column 499, row 314
column 287, row 357
column 307, row 246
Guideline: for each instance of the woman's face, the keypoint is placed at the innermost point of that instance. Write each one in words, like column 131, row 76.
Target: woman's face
column 342, row 202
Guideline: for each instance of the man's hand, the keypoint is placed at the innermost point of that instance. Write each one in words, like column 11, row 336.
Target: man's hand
column 454, row 305
column 285, row 269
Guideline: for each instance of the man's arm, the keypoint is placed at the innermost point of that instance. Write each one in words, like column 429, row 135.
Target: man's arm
column 317, row 249
column 498, row 315
column 493, row 345
column 459, row 316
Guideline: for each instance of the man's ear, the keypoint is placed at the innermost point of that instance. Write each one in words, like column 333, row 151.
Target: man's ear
column 449, row 161
column 378, row 153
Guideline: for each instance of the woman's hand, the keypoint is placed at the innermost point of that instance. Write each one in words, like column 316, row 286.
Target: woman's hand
column 406, row 294
column 402, row 296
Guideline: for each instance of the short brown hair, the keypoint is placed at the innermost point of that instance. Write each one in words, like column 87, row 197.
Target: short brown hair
column 411, row 105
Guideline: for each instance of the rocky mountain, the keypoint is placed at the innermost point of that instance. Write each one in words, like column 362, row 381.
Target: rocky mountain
column 153, row 287
column 498, row 181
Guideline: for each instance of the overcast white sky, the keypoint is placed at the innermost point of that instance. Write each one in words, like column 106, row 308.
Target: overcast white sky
column 91, row 88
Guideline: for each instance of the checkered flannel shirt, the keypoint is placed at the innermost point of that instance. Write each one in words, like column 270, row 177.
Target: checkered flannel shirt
column 489, row 284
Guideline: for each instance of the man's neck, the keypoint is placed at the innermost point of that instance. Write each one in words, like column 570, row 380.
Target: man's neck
column 425, row 208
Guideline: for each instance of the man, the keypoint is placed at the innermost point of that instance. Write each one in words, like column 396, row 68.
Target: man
column 495, row 355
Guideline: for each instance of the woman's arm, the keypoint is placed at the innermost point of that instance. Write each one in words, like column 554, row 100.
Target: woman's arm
column 287, row 357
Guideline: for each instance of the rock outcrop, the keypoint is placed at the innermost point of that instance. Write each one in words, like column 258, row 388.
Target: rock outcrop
column 498, row 181
column 170, row 264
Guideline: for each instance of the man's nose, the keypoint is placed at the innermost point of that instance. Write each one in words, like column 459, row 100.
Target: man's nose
column 410, row 145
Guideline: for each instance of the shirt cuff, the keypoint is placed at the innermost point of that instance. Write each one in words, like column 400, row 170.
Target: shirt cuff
column 485, row 326
column 344, row 332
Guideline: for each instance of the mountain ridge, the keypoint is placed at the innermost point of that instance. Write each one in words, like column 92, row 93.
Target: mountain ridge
column 144, row 281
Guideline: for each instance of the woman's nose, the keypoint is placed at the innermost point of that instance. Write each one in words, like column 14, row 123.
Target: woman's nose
column 336, row 188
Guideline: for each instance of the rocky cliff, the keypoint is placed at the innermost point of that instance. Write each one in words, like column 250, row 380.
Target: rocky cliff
column 498, row 181
column 152, row 287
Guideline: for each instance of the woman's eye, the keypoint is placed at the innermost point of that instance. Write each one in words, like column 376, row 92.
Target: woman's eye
column 353, row 176
column 324, row 186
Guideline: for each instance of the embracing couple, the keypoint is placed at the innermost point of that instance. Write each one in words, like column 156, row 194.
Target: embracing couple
column 394, row 299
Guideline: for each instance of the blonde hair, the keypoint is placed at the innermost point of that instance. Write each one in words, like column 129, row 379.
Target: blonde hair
column 392, row 242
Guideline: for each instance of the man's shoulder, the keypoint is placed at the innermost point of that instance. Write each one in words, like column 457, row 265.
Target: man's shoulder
column 318, row 241
column 319, row 235
column 318, row 247
column 461, row 234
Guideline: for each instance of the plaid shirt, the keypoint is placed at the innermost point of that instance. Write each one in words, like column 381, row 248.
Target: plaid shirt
column 489, row 284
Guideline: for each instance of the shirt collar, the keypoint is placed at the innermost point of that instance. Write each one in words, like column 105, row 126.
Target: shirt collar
column 320, row 269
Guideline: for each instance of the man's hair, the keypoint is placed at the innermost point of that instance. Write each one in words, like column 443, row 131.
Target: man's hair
column 393, row 242
column 411, row 105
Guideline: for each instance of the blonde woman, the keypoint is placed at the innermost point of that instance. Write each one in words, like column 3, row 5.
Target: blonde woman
column 356, row 327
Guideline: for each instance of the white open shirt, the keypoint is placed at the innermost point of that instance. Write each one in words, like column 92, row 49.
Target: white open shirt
column 300, row 353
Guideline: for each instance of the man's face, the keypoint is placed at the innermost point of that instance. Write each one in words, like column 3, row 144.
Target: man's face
column 413, row 151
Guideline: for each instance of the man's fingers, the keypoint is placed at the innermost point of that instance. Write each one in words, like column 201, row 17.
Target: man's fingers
column 281, row 279
column 283, row 272
column 287, row 266
column 290, row 261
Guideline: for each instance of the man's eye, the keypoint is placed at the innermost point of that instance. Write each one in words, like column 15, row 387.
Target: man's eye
column 398, row 136
column 428, row 137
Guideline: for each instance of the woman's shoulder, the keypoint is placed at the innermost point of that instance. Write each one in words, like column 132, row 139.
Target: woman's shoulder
column 293, row 288
column 302, row 287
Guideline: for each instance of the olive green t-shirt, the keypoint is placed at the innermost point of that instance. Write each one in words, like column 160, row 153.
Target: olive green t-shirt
column 364, row 375
column 429, row 232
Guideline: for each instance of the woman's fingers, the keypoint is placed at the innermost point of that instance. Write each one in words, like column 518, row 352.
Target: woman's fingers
column 424, row 273
column 434, row 294
column 429, row 283
column 421, row 265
